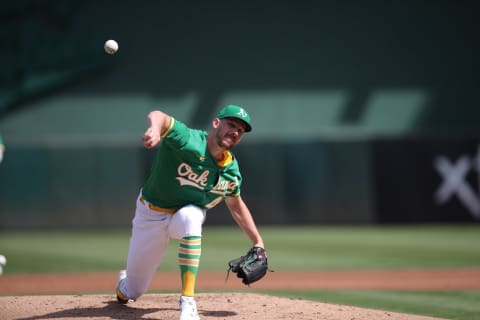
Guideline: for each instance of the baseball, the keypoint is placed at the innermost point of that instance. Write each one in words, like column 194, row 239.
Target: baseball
column 111, row 46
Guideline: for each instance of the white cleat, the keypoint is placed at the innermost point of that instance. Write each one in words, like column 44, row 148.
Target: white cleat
column 121, row 298
column 188, row 309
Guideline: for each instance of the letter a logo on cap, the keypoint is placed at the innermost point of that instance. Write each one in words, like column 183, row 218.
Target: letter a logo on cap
column 242, row 113
column 235, row 112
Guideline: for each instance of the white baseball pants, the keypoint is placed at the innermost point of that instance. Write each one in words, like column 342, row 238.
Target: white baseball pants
column 151, row 232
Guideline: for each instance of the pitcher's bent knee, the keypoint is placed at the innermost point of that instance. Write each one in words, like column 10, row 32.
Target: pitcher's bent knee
column 187, row 222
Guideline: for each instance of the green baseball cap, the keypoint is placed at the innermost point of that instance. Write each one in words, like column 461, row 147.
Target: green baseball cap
column 233, row 111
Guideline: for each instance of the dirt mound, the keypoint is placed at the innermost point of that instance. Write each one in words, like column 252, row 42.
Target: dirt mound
column 213, row 306
column 55, row 304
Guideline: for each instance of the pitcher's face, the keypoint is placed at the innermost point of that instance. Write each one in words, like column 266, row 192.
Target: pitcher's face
column 228, row 132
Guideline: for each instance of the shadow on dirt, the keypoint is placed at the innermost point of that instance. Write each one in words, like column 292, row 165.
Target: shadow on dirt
column 116, row 311
column 219, row 314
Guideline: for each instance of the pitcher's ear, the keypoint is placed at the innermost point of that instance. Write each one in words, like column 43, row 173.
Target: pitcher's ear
column 215, row 123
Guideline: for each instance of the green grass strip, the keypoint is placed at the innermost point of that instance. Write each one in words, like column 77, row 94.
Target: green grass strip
column 289, row 248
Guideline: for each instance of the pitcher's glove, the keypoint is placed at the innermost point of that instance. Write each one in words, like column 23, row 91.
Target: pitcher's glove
column 251, row 267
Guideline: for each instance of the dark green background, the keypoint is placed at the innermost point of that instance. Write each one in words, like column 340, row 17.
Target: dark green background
column 322, row 80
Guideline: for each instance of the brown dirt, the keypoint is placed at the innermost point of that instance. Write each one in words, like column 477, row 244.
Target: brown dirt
column 69, row 296
column 211, row 306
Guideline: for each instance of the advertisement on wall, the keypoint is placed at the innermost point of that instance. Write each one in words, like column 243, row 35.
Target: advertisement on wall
column 427, row 180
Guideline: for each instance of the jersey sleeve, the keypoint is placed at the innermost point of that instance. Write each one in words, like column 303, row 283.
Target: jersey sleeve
column 237, row 177
column 177, row 134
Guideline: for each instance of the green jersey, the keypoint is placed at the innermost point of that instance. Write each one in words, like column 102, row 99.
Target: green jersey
column 184, row 172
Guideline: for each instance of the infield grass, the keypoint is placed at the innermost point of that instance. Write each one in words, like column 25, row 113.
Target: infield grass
column 289, row 248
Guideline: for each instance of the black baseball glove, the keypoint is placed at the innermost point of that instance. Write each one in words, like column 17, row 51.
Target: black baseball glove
column 251, row 267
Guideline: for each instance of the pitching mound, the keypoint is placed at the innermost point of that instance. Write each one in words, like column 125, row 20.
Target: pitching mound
column 229, row 306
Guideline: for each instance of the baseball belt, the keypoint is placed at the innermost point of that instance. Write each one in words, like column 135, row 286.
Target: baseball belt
column 156, row 208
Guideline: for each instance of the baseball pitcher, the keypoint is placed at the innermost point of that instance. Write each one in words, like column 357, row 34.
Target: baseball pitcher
column 192, row 172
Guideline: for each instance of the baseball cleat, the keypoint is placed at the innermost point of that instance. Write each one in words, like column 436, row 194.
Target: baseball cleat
column 121, row 298
column 188, row 309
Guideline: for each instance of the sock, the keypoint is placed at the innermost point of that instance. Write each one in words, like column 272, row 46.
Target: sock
column 189, row 252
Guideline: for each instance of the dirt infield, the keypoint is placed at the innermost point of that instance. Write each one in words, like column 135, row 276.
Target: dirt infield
column 70, row 296
column 229, row 306
column 438, row 279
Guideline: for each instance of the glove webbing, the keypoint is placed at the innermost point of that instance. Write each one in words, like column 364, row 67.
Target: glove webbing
column 241, row 264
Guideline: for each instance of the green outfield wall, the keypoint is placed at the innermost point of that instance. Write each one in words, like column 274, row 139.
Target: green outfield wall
column 93, row 187
column 414, row 180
